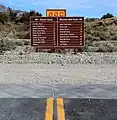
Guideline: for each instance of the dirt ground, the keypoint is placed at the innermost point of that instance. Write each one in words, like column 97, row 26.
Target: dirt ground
column 58, row 74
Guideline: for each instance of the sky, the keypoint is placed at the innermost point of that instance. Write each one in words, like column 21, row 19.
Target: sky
column 85, row 8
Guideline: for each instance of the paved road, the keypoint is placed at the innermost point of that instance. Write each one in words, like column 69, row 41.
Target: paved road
column 94, row 109
column 58, row 102
column 22, row 109
column 58, row 90
column 58, row 109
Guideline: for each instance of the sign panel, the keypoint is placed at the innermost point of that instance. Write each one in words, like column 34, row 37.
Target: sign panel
column 57, row 32
column 70, row 31
column 55, row 12
column 43, row 31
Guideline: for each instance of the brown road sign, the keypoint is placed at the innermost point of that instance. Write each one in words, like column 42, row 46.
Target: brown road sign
column 57, row 32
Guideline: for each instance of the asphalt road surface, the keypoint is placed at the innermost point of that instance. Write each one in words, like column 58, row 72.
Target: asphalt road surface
column 58, row 90
column 57, row 109
column 58, row 102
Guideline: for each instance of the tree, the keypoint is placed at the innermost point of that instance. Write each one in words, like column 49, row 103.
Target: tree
column 38, row 14
column 11, row 14
column 26, row 16
column 108, row 15
column 3, row 17
column 34, row 13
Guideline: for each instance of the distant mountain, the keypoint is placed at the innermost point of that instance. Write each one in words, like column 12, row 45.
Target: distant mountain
column 2, row 8
column 19, row 13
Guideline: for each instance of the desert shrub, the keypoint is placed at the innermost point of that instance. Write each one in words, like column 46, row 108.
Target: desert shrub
column 101, row 35
column 100, row 47
column 100, row 28
column 3, row 18
column 88, row 42
column 96, row 38
column 96, row 33
column 18, row 43
column 86, row 48
column 26, row 16
column 11, row 14
column 109, row 22
column 114, row 37
column 88, row 28
column 100, row 23
column 6, row 45
column 112, row 33
column 22, row 35
column 115, row 21
column 88, row 39
column 26, row 43
column 20, row 27
column 106, row 47
column 91, row 19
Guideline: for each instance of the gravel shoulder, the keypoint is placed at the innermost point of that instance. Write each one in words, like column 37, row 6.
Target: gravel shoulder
column 55, row 58
column 58, row 74
column 53, row 68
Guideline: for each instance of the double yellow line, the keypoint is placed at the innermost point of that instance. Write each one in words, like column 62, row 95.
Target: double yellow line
column 60, row 109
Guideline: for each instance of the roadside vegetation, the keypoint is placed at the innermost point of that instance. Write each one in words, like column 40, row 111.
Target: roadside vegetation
column 100, row 33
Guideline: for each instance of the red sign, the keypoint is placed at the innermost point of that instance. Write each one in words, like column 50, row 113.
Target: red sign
column 55, row 12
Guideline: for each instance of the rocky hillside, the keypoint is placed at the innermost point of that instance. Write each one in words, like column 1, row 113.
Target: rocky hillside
column 100, row 33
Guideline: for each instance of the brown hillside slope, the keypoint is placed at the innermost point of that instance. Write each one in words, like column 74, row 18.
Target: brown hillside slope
column 100, row 35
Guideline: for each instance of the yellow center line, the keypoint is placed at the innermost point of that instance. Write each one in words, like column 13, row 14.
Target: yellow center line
column 60, row 109
column 49, row 109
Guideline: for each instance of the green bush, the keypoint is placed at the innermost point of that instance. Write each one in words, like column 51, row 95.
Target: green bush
column 26, row 42
column 18, row 43
column 3, row 18
column 26, row 16
column 86, row 48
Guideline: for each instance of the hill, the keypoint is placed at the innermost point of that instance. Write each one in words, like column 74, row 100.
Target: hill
column 100, row 34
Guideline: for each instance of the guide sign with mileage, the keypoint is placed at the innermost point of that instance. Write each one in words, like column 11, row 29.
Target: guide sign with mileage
column 57, row 32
